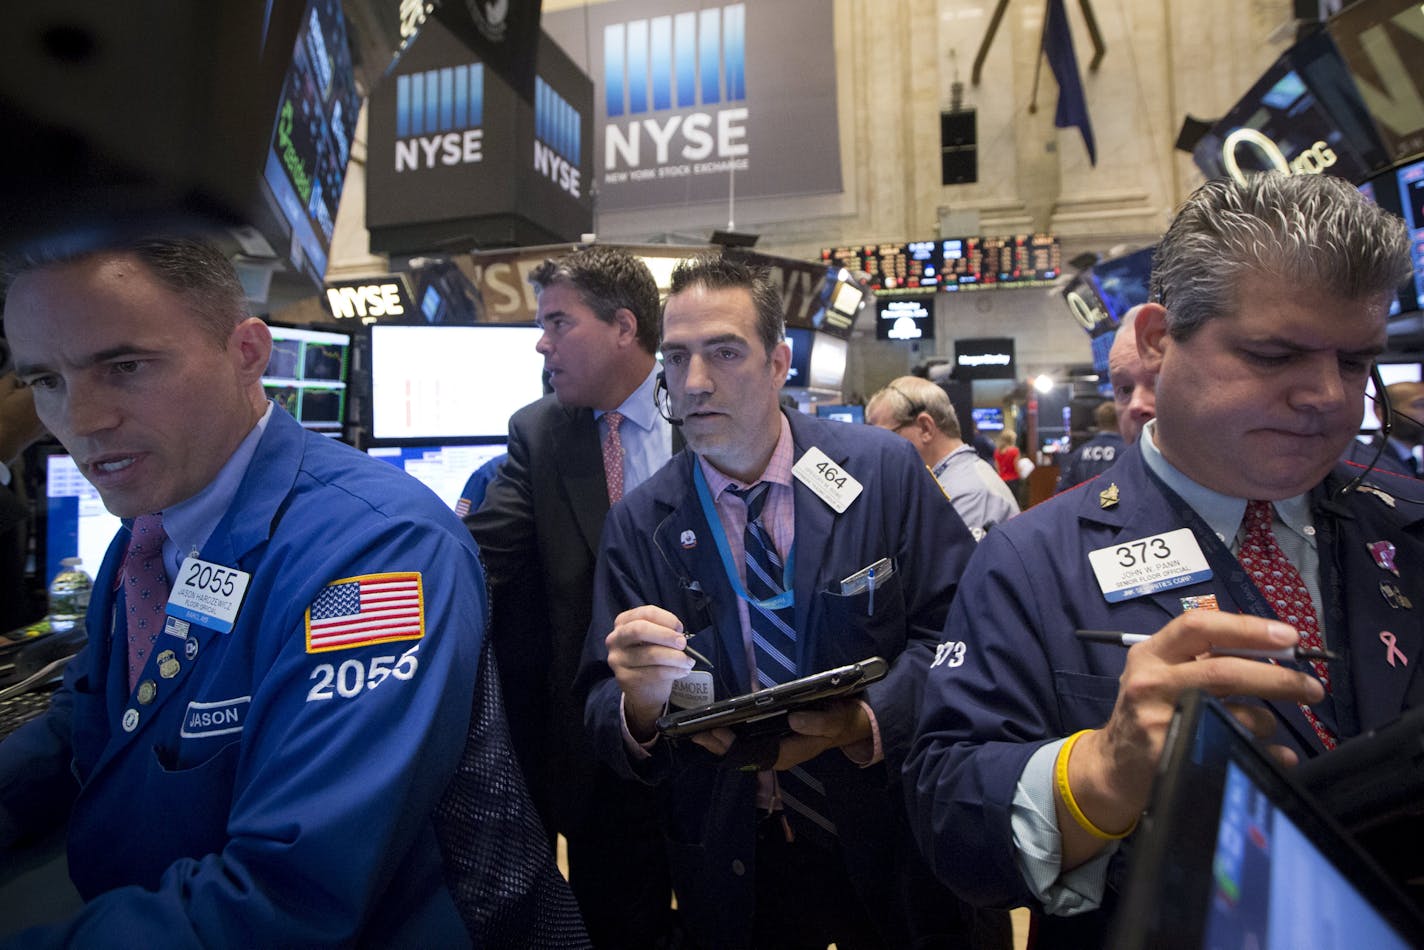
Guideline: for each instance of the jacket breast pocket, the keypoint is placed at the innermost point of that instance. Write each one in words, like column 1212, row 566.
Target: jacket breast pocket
column 1084, row 701
column 864, row 624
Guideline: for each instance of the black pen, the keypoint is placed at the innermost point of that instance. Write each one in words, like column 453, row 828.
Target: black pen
column 1285, row 654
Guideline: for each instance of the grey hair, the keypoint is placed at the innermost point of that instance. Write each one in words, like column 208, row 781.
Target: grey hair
column 723, row 272
column 911, row 395
column 1311, row 231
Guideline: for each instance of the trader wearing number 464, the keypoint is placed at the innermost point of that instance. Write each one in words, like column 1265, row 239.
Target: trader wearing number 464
column 283, row 642
column 721, row 574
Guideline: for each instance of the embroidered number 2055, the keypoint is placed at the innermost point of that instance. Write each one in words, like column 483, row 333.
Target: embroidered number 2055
column 352, row 677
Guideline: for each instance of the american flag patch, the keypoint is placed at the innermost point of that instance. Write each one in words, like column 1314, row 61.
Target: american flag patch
column 372, row 608
column 462, row 507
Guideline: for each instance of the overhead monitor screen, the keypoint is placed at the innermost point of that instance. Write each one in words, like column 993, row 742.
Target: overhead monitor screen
column 451, row 382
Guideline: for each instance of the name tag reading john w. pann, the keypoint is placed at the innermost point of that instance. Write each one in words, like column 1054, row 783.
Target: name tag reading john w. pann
column 208, row 594
column 1148, row 565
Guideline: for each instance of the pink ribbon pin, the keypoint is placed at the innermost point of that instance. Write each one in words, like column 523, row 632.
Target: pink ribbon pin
column 1392, row 651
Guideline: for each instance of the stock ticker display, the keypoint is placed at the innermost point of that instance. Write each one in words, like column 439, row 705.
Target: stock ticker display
column 951, row 264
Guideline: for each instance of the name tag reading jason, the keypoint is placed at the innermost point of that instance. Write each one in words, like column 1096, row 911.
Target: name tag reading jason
column 1148, row 565
column 828, row 480
column 208, row 594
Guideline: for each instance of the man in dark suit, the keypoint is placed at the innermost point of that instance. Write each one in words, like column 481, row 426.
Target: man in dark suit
column 571, row 455
column 780, row 545
column 19, row 426
column 1395, row 453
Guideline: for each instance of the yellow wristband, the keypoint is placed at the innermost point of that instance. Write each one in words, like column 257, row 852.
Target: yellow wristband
column 1065, row 791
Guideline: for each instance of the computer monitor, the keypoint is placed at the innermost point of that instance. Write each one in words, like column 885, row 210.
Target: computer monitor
column 1122, row 282
column 444, row 469
column 305, row 166
column 799, row 340
column 1410, row 179
column 76, row 522
column 1391, row 373
column 905, row 318
column 851, row 413
column 451, row 384
column 307, row 375
column 988, row 418
column 1232, row 854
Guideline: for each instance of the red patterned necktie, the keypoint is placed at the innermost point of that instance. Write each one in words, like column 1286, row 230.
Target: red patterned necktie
column 145, row 590
column 613, row 456
column 1283, row 586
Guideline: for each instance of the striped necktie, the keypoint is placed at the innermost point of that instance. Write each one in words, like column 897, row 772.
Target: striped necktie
column 774, row 649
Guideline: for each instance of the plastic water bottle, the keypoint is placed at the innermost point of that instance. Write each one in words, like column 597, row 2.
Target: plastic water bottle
column 69, row 596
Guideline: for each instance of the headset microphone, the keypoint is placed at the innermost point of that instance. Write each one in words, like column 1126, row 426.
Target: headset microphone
column 663, row 400
column 1386, row 416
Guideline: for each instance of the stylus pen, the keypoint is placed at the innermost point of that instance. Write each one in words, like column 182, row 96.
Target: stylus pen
column 1286, row 654
column 687, row 648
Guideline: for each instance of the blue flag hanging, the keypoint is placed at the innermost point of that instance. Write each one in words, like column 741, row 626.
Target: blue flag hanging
column 1072, row 105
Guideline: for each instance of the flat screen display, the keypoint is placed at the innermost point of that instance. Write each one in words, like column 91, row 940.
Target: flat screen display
column 444, row 469
column 76, row 522
column 799, row 340
column 988, row 418
column 854, row 413
column 307, row 375
column 1123, row 282
column 909, row 318
column 1411, row 199
column 451, row 382
column 311, row 141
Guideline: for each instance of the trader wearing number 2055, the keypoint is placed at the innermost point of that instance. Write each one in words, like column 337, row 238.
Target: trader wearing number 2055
column 740, row 546
column 253, row 758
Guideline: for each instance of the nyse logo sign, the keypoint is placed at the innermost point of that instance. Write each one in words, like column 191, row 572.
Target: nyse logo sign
column 438, row 117
column 674, row 88
column 367, row 302
column 557, row 138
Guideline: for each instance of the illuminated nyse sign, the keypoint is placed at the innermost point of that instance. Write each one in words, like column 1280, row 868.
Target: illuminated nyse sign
column 697, row 62
column 557, row 138
column 438, row 117
column 367, row 301
column 1310, row 161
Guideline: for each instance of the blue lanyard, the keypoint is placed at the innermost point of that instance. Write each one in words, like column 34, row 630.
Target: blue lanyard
column 787, row 597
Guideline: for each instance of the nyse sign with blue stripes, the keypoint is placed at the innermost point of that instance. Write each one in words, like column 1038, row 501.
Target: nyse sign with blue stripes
column 439, row 114
column 675, row 94
column 689, row 93
column 558, row 134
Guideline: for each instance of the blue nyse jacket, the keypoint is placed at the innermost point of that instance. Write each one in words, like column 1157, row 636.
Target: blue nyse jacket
column 1023, row 678
column 268, row 795
column 657, row 546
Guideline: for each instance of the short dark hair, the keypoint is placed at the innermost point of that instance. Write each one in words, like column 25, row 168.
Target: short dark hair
column 195, row 269
column 723, row 272
column 608, row 279
column 1315, row 232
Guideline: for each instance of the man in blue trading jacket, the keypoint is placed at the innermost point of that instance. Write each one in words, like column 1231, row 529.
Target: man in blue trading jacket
column 1036, row 750
column 252, row 759
column 812, row 848
column 1097, row 454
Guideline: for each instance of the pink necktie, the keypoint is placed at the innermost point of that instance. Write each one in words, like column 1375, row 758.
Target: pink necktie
column 1278, row 579
column 613, row 456
column 145, row 590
